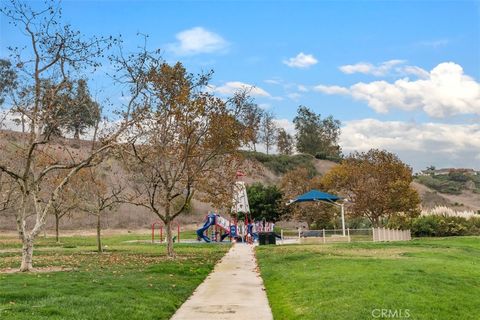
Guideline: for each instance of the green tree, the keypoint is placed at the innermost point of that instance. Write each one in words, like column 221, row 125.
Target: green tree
column 317, row 215
column 377, row 183
column 316, row 136
column 84, row 112
column 284, row 142
column 265, row 202
column 8, row 78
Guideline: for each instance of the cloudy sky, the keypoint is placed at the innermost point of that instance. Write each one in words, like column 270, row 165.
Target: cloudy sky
column 400, row 75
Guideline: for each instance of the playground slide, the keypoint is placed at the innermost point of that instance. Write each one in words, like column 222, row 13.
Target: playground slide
column 208, row 223
column 212, row 220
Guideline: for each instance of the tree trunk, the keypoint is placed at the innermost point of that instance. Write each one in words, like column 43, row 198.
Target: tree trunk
column 27, row 255
column 57, row 222
column 76, row 135
column 168, row 227
column 99, row 228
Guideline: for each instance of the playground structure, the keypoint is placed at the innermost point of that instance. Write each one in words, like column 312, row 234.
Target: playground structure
column 160, row 231
column 239, row 231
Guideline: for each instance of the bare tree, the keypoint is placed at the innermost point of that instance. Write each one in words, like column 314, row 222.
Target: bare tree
column 268, row 130
column 67, row 200
column 55, row 54
column 64, row 205
column 251, row 117
column 8, row 192
column 99, row 194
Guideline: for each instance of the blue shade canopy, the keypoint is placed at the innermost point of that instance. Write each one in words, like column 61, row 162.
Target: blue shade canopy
column 316, row 195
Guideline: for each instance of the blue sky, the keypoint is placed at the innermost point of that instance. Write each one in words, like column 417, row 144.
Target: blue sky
column 344, row 58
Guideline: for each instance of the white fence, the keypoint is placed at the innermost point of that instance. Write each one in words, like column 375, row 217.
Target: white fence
column 383, row 234
column 336, row 235
column 325, row 235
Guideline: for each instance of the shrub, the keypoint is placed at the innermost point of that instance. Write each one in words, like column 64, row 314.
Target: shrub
column 281, row 164
column 442, row 226
column 425, row 226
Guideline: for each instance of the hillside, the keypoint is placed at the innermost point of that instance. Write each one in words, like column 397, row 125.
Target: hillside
column 267, row 169
column 456, row 188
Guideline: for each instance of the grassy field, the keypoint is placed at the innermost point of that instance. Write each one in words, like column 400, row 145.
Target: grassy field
column 129, row 281
column 421, row 279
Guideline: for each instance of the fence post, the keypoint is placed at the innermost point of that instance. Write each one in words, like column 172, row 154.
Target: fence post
column 373, row 235
column 281, row 235
column 153, row 233
column 323, row 235
column 299, row 232
column 348, row 233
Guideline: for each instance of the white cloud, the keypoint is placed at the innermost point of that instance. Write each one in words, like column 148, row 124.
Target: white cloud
column 230, row 88
column 9, row 121
column 417, row 71
column 273, row 81
column 265, row 106
column 331, row 89
column 446, row 91
column 295, row 96
column 368, row 68
column 197, row 40
column 302, row 88
column 285, row 124
column 301, row 60
column 434, row 43
column 443, row 145
column 395, row 66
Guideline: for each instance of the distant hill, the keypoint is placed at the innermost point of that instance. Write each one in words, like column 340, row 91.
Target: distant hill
column 456, row 188
column 450, row 181
column 267, row 169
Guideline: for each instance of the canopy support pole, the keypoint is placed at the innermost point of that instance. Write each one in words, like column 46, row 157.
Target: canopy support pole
column 343, row 219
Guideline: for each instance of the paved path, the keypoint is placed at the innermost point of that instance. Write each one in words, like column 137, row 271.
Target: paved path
column 234, row 290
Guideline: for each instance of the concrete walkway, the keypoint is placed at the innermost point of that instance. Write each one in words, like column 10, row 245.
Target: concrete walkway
column 234, row 290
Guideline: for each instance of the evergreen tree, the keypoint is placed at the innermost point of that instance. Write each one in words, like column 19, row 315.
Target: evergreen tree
column 8, row 78
column 84, row 112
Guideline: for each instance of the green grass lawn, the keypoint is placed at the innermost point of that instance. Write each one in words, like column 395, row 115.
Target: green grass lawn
column 82, row 241
column 421, row 279
column 128, row 281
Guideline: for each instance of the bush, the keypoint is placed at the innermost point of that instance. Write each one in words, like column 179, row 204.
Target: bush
column 441, row 184
column 441, row 226
column 281, row 164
